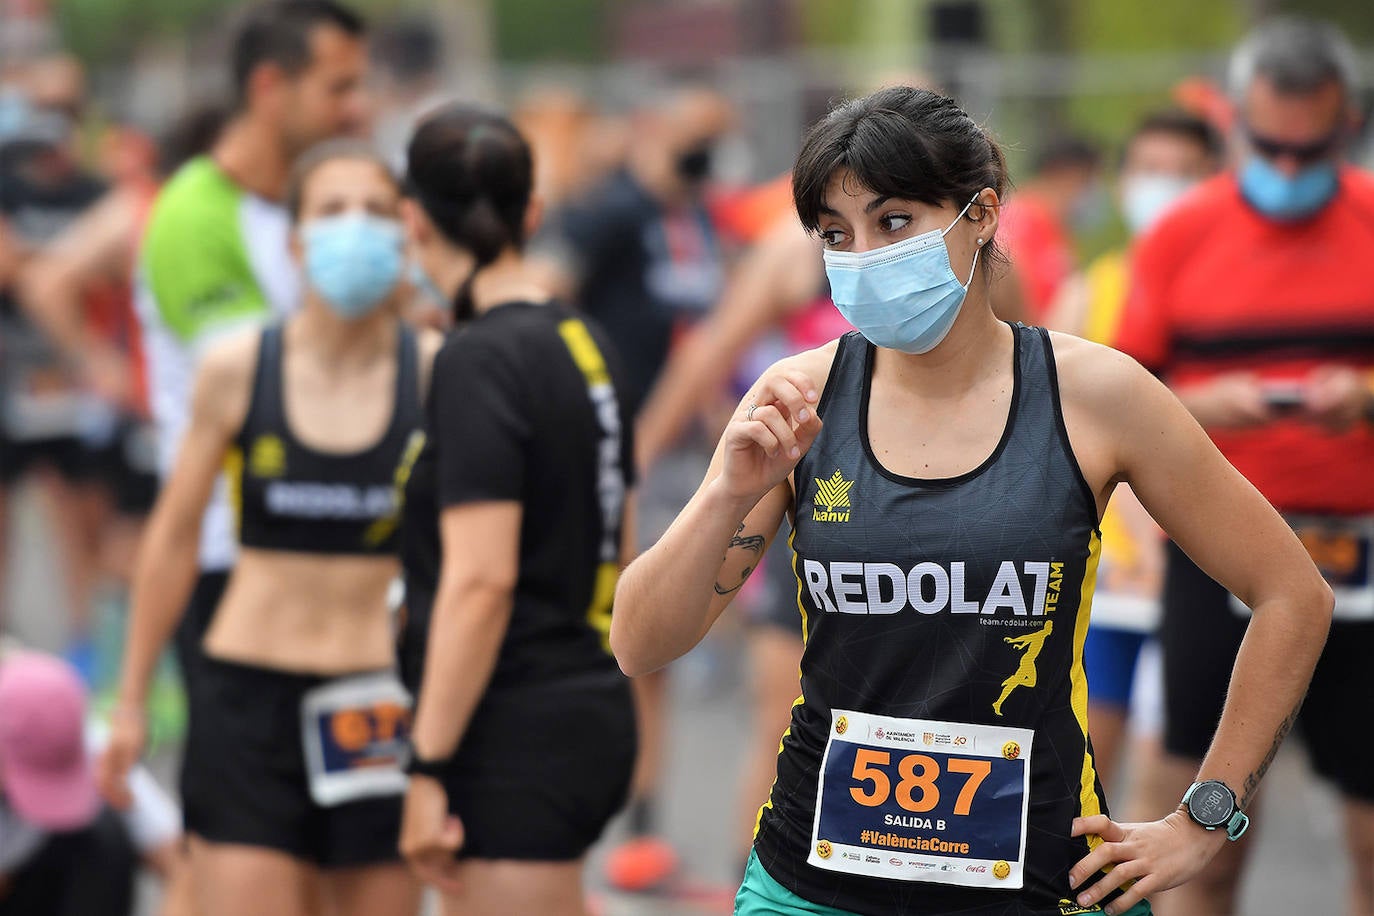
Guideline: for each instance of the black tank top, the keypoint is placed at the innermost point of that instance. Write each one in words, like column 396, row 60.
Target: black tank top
column 942, row 679
column 291, row 497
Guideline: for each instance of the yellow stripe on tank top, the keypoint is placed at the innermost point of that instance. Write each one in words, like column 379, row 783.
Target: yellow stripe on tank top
column 233, row 476
column 768, row 802
column 1088, row 802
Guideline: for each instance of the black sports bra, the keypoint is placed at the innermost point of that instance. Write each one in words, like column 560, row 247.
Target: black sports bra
column 290, row 497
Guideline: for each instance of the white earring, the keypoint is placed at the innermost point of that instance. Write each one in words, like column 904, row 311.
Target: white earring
column 981, row 241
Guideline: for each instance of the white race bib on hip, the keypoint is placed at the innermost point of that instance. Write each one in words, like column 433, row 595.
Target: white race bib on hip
column 354, row 730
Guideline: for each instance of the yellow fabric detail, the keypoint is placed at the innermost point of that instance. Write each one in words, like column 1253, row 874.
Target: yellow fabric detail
column 603, row 596
column 233, row 475
column 592, row 365
column 386, row 526
column 1107, row 279
column 584, row 351
column 1089, row 804
column 768, row 802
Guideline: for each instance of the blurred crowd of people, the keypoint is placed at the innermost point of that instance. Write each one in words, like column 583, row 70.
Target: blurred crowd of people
column 1236, row 276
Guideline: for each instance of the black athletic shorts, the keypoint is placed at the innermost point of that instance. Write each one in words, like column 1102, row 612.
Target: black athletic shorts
column 66, row 455
column 195, row 622
column 542, row 767
column 127, row 465
column 1200, row 636
column 244, row 776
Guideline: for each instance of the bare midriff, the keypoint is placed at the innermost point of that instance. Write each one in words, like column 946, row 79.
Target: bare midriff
column 305, row 613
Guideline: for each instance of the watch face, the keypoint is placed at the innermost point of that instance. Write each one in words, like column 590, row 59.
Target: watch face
column 1211, row 804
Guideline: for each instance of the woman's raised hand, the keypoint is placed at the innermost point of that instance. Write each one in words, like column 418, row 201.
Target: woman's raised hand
column 773, row 427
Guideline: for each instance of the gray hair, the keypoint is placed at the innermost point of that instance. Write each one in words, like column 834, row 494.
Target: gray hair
column 1297, row 55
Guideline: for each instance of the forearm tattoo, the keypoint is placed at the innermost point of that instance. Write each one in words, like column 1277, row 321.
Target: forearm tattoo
column 1253, row 780
column 753, row 544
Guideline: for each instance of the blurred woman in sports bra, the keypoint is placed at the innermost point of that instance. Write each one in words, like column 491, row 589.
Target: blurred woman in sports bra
column 291, row 783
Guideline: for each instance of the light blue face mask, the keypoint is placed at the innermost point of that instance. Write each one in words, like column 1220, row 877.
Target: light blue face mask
column 1145, row 198
column 903, row 296
column 426, row 287
column 353, row 261
column 1281, row 197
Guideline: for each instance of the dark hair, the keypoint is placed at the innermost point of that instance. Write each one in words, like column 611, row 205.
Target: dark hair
column 1297, row 55
column 1180, row 124
column 1066, row 152
column 191, row 134
column 279, row 32
column 913, row 144
column 472, row 172
column 330, row 151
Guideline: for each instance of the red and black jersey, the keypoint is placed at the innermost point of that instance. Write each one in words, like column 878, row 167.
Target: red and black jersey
column 1218, row 288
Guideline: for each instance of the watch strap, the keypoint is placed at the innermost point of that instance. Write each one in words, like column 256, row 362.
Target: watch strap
column 1238, row 822
column 415, row 765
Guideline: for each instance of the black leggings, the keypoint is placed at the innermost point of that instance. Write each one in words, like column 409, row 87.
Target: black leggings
column 87, row 872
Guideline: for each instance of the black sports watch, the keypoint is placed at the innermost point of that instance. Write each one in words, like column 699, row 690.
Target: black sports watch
column 412, row 764
column 1212, row 805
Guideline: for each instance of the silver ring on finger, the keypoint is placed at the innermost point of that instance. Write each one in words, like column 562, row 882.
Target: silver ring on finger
column 749, row 414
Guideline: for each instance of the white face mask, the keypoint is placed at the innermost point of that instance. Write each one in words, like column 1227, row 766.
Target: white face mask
column 1145, row 198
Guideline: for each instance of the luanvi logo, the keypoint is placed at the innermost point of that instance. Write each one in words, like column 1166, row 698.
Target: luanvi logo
column 833, row 495
column 267, row 457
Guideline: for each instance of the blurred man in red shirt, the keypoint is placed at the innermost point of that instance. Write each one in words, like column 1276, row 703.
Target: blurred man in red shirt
column 1064, row 194
column 1252, row 299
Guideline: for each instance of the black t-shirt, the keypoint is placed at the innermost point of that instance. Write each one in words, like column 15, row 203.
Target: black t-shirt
column 35, row 209
column 512, row 415
column 640, row 270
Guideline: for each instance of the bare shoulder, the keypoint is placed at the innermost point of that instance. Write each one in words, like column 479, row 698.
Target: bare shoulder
column 232, row 357
column 224, row 379
column 428, row 342
column 814, row 364
column 1097, row 379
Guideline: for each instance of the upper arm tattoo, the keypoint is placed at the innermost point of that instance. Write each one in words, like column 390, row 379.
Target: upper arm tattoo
column 752, row 543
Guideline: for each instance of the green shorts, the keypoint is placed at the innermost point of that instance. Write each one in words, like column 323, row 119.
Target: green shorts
column 760, row 895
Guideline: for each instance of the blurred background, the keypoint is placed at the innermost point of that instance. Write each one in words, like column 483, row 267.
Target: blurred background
column 1032, row 69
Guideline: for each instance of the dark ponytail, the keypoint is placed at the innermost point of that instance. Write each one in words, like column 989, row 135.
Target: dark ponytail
column 472, row 172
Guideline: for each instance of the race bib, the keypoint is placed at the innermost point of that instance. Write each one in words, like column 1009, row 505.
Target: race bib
column 354, row 730
column 1343, row 549
column 919, row 800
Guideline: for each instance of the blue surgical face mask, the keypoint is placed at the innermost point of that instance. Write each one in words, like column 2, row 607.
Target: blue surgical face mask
column 1145, row 198
column 353, row 261
column 425, row 286
column 903, row 296
column 1283, row 197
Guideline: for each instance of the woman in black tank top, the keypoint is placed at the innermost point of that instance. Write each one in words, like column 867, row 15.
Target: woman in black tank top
column 291, row 780
column 945, row 473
